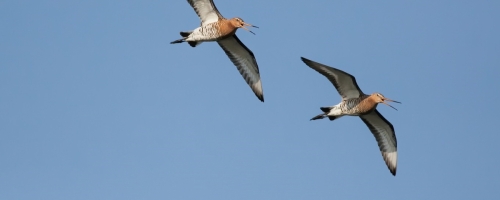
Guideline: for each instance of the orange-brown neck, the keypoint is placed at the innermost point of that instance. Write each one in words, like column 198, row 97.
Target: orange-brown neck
column 226, row 28
column 367, row 104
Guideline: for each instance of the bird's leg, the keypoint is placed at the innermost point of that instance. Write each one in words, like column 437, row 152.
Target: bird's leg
column 178, row 41
column 320, row 116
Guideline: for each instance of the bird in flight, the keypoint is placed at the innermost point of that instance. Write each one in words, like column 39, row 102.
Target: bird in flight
column 214, row 27
column 356, row 103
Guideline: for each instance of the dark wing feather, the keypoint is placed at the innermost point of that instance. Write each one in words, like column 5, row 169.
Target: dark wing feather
column 206, row 10
column 344, row 83
column 245, row 61
column 385, row 136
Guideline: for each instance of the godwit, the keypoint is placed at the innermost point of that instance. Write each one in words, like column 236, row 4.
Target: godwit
column 356, row 103
column 214, row 27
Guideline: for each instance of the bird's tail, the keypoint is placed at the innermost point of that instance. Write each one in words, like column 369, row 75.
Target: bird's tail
column 191, row 43
column 326, row 110
column 184, row 35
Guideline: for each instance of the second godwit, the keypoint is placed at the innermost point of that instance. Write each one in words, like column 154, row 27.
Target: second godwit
column 356, row 103
column 214, row 27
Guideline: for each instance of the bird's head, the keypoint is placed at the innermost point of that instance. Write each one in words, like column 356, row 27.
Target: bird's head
column 379, row 98
column 239, row 23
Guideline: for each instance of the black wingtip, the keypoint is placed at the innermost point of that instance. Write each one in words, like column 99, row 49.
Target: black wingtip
column 307, row 61
column 392, row 170
column 260, row 97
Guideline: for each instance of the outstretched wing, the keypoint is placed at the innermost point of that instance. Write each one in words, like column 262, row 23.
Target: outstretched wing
column 206, row 10
column 385, row 136
column 344, row 83
column 245, row 61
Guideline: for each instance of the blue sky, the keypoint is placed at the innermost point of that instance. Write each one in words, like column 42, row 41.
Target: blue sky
column 96, row 104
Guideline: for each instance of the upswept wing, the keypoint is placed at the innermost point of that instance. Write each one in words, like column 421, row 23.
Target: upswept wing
column 344, row 83
column 206, row 10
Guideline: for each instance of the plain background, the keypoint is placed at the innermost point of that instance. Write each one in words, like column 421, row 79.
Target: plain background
column 96, row 104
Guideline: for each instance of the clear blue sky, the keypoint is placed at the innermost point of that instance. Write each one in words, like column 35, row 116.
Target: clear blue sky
column 96, row 104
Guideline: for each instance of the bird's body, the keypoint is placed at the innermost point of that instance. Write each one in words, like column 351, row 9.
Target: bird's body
column 206, row 33
column 353, row 107
column 211, row 32
column 214, row 27
column 356, row 103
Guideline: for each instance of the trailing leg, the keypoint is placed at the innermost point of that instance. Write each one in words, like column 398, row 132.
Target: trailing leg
column 326, row 111
column 178, row 41
column 320, row 116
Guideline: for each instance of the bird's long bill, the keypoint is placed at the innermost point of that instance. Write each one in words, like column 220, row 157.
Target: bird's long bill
column 390, row 101
column 247, row 24
column 247, row 28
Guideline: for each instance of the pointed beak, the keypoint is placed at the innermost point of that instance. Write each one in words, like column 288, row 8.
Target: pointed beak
column 390, row 101
column 245, row 24
column 389, row 105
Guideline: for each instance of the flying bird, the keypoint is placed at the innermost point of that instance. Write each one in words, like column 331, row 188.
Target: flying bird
column 214, row 27
column 356, row 103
